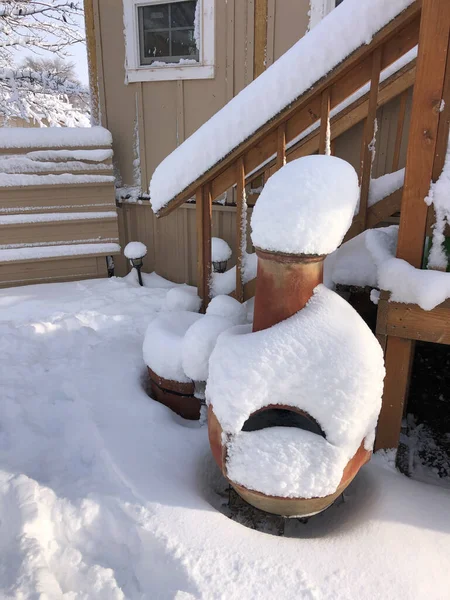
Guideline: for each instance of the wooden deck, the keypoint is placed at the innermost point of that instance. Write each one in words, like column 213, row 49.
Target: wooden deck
column 58, row 218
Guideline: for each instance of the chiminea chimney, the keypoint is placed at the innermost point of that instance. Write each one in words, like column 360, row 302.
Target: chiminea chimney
column 290, row 243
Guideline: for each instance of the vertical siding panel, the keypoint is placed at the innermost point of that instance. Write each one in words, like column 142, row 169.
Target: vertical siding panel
column 121, row 98
column 291, row 22
column 180, row 112
column 270, row 52
column 230, row 43
column 160, row 126
column 142, row 141
column 100, row 62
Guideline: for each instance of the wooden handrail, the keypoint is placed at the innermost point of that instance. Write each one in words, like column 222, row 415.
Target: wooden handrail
column 398, row 83
column 268, row 146
column 396, row 38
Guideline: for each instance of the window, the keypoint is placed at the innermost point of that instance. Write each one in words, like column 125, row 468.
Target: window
column 167, row 33
column 169, row 40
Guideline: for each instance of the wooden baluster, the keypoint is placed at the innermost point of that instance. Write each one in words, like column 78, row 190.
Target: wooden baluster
column 325, row 133
column 204, row 218
column 281, row 146
column 400, row 127
column 369, row 138
column 241, row 227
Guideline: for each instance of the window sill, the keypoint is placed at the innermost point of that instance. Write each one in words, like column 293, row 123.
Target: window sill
column 170, row 73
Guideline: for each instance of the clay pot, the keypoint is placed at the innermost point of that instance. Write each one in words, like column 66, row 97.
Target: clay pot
column 287, row 507
column 179, row 397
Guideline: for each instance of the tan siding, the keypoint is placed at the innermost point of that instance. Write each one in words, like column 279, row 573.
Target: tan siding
column 36, row 220
column 43, row 271
column 290, row 22
column 120, row 111
column 55, row 198
column 86, row 230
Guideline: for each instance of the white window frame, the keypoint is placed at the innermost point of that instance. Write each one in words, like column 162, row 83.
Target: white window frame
column 134, row 71
column 318, row 10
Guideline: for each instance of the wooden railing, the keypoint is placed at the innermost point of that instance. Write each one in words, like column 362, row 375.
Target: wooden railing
column 281, row 140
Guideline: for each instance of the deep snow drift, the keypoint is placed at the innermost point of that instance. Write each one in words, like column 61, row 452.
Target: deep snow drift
column 105, row 494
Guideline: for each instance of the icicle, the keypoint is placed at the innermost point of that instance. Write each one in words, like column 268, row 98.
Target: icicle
column 328, row 138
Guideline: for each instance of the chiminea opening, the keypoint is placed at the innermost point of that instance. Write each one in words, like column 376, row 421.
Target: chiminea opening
column 282, row 417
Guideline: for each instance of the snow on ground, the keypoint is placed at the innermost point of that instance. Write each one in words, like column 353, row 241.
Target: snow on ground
column 105, row 494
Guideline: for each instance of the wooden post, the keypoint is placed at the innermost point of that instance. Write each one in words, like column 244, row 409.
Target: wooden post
column 204, row 218
column 241, row 227
column 427, row 98
column 369, row 138
column 92, row 61
column 325, row 132
column 260, row 38
column 422, row 148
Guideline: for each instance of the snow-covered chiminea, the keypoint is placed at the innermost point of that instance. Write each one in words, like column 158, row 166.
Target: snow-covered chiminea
column 294, row 401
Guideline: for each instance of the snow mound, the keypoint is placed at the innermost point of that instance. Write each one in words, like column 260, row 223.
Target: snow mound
column 306, row 207
column 350, row 25
column 324, row 360
column 286, row 462
column 384, row 186
column 406, row 283
column 135, row 250
column 183, row 297
column 198, row 344
column 354, row 263
column 163, row 344
column 226, row 306
column 220, row 250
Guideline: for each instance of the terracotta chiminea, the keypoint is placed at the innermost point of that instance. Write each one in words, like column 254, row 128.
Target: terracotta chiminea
column 283, row 399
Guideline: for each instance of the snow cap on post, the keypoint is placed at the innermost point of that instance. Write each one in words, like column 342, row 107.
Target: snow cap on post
column 306, row 207
column 135, row 250
column 220, row 250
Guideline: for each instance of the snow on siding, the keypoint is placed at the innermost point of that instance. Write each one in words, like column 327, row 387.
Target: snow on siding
column 60, row 155
column 52, row 217
column 53, row 137
column 331, row 41
column 16, row 164
column 19, row 254
column 19, row 180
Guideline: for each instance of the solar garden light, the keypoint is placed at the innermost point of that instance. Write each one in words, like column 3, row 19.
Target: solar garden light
column 220, row 254
column 135, row 252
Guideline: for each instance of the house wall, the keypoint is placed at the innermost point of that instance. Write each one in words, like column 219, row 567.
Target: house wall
column 169, row 111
